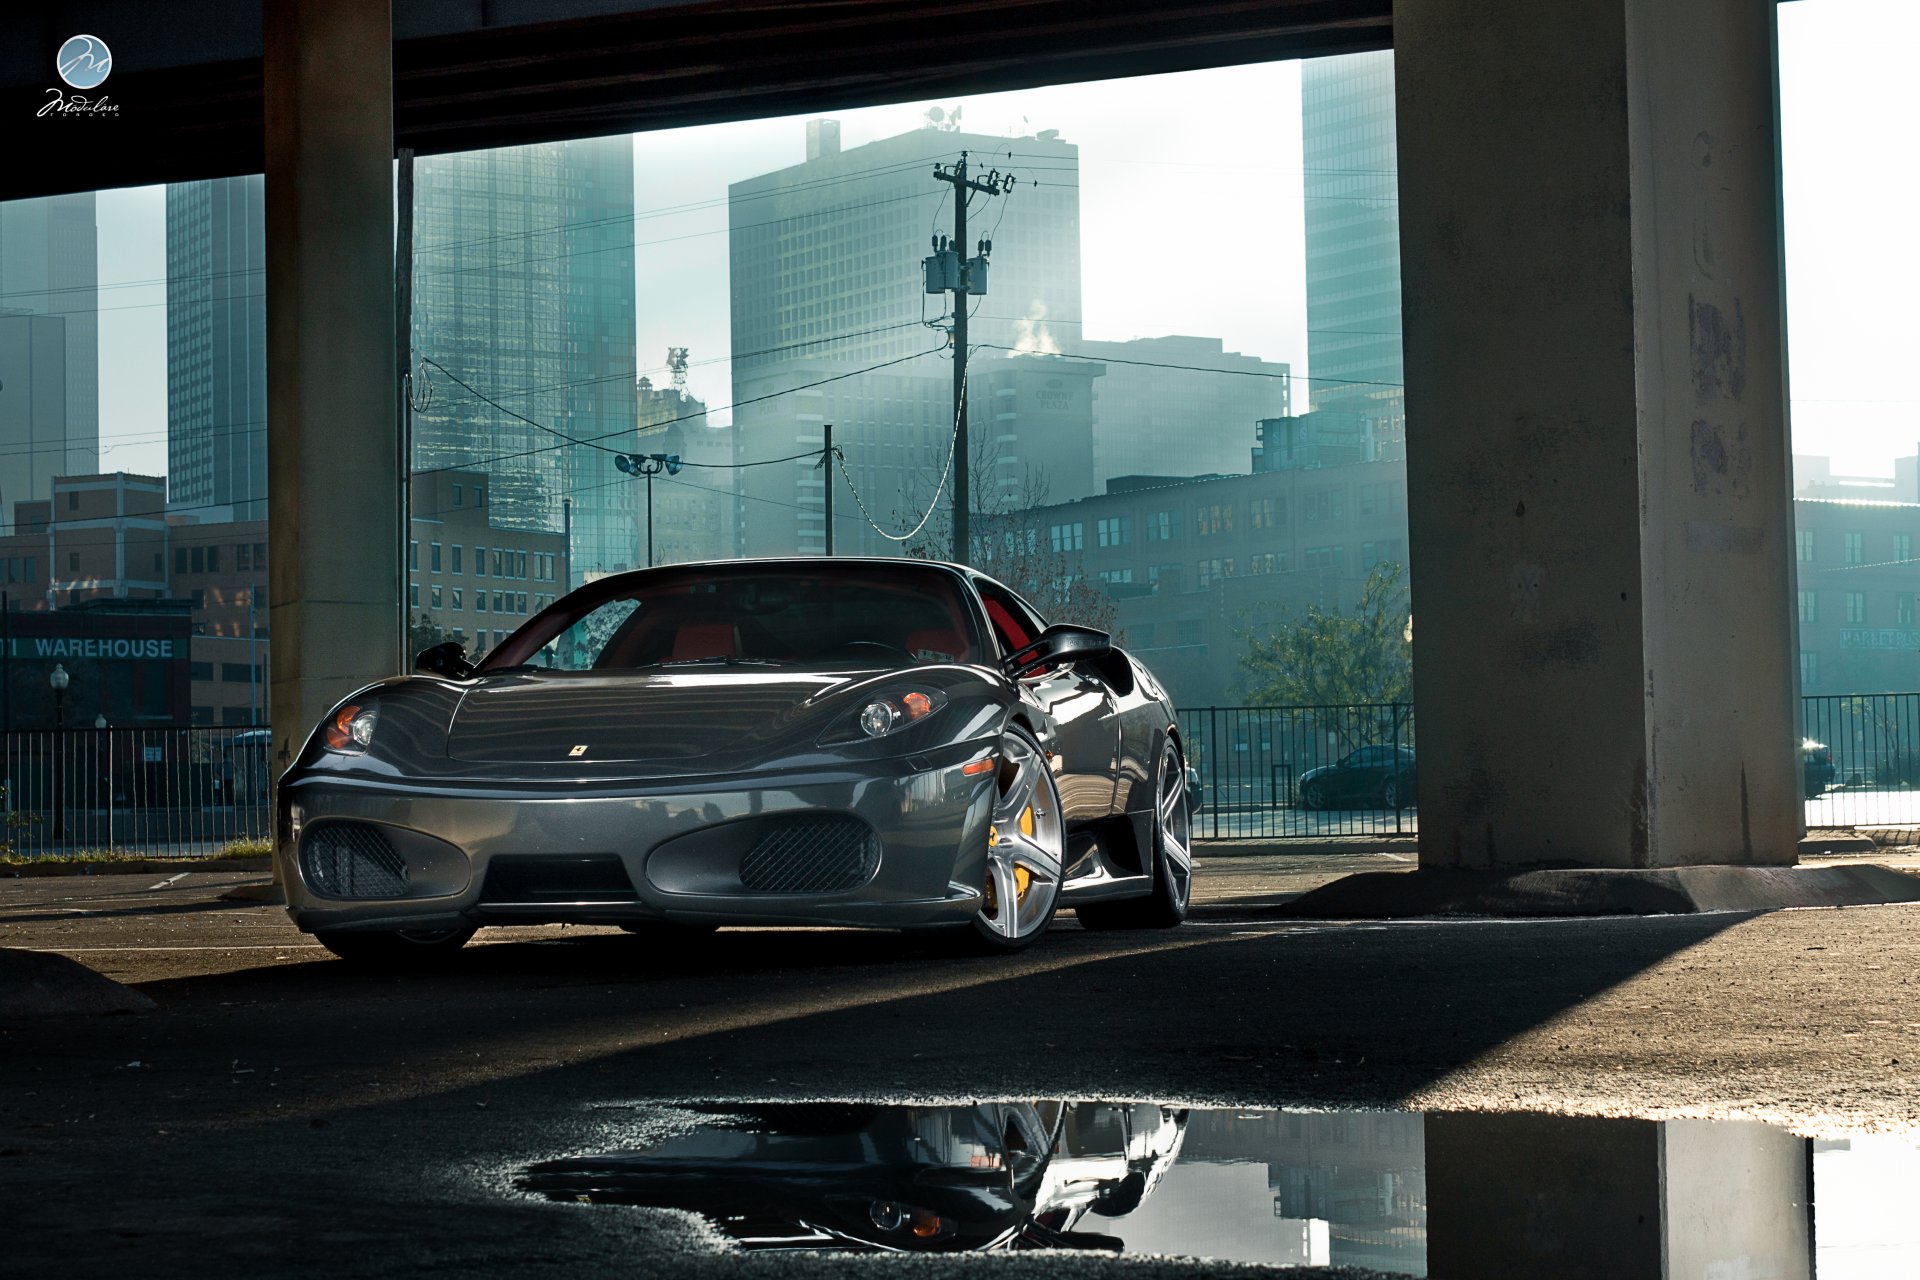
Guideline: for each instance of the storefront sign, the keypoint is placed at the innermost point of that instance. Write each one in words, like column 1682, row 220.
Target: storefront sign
column 108, row 647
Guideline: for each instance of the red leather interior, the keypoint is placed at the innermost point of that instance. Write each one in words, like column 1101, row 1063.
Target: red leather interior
column 704, row 640
column 949, row 643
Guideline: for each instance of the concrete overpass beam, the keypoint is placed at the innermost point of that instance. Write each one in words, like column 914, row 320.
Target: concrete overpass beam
column 1598, row 482
column 332, row 429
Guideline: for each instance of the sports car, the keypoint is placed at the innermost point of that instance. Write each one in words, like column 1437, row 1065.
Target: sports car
column 813, row 741
column 898, row 1179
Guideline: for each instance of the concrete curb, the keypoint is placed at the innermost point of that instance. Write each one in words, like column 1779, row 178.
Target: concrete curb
column 1273, row 848
column 1389, row 895
column 136, row 866
column 36, row 984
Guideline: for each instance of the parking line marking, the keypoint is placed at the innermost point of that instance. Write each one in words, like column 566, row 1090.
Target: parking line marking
column 169, row 880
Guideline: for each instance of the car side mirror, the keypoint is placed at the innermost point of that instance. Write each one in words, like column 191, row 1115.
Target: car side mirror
column 1061, row 642
column 448, row 658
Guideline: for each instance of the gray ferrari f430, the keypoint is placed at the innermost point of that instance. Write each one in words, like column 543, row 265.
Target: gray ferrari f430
column 885, row 743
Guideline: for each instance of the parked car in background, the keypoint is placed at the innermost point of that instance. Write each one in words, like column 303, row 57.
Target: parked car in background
column 1371, row 777
column 1816, row 767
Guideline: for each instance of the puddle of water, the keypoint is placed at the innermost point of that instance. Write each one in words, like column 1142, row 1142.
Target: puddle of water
column 1405, row 1193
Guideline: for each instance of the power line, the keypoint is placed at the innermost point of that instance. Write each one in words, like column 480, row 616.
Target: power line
column 1193, row 368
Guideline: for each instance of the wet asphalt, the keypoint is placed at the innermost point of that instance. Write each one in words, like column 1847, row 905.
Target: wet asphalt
column 281, row 1114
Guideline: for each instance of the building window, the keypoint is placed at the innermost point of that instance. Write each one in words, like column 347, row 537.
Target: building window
column 1857, row 608
column 236, row 673
column 199, row 560
column 213, row 559
column 73, row 562
column 1116, row 575
column 455, row 565
column 521, row 603
column 1069, row 537
column 1903, row 609
column 434, row 596
column 1190, row 632
column 1326, row 559
column 1803, row 545
column 1368, row 501
column 496, row 563
column 1115, row 531
column 480, row 562
column 480, row 603
column 179, row 559
column 242, row 557
column 456, row 495
column 433, row 557
column 1809, row 606
column 1809, row 672
column 479, row 496
column 1856, row 548
column 413, row 555
column 1325, row 504
column 520, row 564
column 456, row 597
column 159, row 565
column 73, row 499
column 199, row 671
column 1211, row 518
column 1163, row 526
column 1140, row 635
column 1903, row 546
column 498, row 605
column 413, row 594
column 259, row 555
column 1262, row 512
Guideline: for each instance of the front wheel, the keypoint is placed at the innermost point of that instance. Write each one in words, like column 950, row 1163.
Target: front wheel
column 1390, row 794
column 401, row 947
column 1166, row 904
column 1026, row 848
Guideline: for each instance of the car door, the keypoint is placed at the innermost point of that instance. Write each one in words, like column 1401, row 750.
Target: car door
column 1083, row 708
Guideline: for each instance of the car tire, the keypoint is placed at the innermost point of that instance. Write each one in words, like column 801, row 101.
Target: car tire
column 400, row 947
column 1313, row 795
column 1027, row 803
column 1390, row 794
column 1166, row 905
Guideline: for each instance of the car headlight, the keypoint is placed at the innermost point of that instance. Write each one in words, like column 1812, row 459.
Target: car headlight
column 888, row 713
column 350, row 728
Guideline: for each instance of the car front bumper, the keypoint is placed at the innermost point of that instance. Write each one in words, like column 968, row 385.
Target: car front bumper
column 661, row 851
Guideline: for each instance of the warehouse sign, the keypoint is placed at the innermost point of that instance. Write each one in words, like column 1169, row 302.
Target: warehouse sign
column 110, row 647
column 1863, row 638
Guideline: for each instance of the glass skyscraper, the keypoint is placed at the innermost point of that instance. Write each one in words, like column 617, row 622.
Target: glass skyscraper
column 523, row 287
column 1352, row 232
column 217, row 348
column 826, row 280
column 48, row 266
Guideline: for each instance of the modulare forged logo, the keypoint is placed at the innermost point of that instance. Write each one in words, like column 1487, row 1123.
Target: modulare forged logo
column 84, row 62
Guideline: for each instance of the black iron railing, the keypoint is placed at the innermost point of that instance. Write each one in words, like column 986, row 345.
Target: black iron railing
column 158, row 792
column 1301, row 772
column 1860, row 759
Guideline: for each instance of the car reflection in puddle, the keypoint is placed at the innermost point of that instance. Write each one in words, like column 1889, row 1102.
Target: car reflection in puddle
column 1455, row 1193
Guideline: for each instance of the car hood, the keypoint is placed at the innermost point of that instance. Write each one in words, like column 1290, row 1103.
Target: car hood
column 659, row 715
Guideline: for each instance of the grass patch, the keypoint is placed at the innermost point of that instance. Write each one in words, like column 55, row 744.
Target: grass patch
column 110, row 857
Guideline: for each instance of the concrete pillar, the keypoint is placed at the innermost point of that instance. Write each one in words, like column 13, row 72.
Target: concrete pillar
column 1577, row 1197
column 332, row 435
column 1598, row 484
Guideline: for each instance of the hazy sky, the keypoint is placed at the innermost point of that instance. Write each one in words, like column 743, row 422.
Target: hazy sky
column 1191, row 223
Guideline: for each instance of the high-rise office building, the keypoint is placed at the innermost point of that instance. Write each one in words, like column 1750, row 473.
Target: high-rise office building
column 826, row 280
column 217, row 348
column 523, row 287
column 48, row 266
column 1352, row 230
column 33, row 407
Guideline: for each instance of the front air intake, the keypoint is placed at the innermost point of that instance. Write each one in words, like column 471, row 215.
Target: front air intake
column 812, row 855
column 352, row 860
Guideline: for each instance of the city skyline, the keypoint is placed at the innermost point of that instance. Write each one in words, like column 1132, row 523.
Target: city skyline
column 1841, row 105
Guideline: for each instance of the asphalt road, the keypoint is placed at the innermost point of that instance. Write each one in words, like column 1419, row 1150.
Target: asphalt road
column 282, row 1114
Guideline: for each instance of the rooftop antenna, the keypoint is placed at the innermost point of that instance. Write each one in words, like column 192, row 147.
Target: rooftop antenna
column 677, row 366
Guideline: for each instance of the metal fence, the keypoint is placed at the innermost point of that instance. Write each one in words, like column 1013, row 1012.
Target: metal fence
column 158, row 792
column 1860, row 760
column 1299, row 772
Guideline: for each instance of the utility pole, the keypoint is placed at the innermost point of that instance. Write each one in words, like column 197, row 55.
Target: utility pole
column 826, row 466
column 947, row 273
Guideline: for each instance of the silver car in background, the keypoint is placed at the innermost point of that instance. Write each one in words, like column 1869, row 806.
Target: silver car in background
column 860, row 742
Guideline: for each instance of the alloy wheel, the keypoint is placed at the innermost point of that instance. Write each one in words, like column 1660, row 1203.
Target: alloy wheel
column 1176, row 827
column 1026, row 844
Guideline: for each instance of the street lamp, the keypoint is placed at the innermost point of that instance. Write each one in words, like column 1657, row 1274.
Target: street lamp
column 59, row 680
column 648, row 465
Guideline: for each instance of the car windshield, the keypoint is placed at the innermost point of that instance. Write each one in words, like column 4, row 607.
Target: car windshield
column 806, row 614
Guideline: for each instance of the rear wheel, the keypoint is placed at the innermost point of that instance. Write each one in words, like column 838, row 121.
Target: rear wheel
column 1390, row 794
column 398, row 947
column 1313, row 795
column 1166, row 905
column 1026, row 846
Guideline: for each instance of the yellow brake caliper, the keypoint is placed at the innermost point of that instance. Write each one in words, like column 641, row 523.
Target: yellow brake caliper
column 1021, row 876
